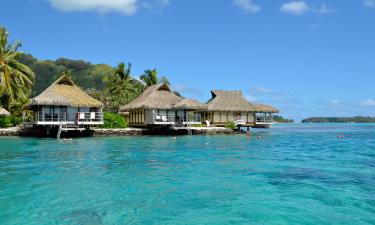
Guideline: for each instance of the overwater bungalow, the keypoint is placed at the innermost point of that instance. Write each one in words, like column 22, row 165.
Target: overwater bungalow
column 159, row 106
column 64, row 103
column 264, row 115
column 231, row 106
column 4, row 112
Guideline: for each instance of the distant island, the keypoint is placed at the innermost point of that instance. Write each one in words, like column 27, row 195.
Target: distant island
column 356, row 119
column 280, row 119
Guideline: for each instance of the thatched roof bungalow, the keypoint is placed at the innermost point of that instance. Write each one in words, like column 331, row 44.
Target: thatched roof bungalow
column 229, row 101
column 231, row 106
column 262, row 108
column 158, row 105
column 154, row 97
column 63, row 92
column 4, row 112
column 64, row 102
column 190, row 104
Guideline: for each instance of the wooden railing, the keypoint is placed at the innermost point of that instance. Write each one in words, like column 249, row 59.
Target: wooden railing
column 62, row 117
column 189, row 118
column 90, row 117
column 262, row 119
column 164, row 118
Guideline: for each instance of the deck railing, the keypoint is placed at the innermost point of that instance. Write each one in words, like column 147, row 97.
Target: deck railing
column 90, row 116
column 62, row 117
column 164, row 118
column 262, row 119
column 189, row 118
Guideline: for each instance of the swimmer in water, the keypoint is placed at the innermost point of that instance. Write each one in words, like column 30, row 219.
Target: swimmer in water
column 259, row 138
column 174, row 138
column 340, row 136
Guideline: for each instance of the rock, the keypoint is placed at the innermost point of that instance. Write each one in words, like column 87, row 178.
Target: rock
column 117, row 132
column 11, row 131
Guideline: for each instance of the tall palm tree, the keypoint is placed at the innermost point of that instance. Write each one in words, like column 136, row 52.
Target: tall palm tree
column 16, row 79
column 121, row 72
column 150, row 77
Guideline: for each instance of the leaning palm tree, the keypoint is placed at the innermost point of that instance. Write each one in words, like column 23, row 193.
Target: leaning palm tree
column 121, row 72
column 150, row 77
column 16, row 79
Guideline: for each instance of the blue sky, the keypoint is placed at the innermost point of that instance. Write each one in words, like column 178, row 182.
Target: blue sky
column 308, row 58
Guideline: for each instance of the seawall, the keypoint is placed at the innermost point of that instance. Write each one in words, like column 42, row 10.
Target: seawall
column 97, row 132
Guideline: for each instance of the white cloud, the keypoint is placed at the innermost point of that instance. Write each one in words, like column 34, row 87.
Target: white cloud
column 295, row 7
column 246, row 5
column 187, row 90
column 127, row 7
column 369, row 3
column 251, row 98
column 335, row 103
column 262, row 90
column 367, row 103
column 324, row 9
column 155, row 4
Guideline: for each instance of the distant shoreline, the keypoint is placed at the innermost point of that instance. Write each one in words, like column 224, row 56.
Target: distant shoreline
column 356, row 119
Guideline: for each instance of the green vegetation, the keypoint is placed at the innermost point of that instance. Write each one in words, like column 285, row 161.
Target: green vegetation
column 84, row 74
column 16, row 78
column 10, row 121
column 280, row 119
column 230, row 125
column 150, row 77
column 113, row 120
column 357, row 119
column 22, row 76
column 121, row 88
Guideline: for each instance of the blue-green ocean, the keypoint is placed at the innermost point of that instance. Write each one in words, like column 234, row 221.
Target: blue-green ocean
column 296, row 174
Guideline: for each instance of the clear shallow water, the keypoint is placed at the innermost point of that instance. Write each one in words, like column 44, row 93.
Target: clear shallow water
column 297, row 174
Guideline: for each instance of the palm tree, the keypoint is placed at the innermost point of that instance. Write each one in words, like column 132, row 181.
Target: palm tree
column 150, row 77
column 121, row 72
column 16, row 79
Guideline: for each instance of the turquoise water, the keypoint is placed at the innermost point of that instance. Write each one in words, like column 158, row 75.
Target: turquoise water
column 297, row 174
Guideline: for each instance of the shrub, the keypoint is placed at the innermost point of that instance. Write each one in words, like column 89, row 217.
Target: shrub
column 198, row 125
column 10, row 121
column 113, row 120
column 230, row 125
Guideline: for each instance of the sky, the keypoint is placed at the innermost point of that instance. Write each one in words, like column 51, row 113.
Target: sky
column 307, row 58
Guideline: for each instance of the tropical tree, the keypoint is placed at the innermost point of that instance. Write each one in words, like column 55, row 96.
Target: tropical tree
column 150, row 77
column 122, row 88
column 16, row 79
column 121, row 72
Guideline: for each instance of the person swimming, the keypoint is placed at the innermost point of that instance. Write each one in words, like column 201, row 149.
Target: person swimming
column 340, row 136
column 259, row 138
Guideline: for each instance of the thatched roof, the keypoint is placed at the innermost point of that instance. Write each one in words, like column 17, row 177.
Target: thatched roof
column 187, row 103
column 161, row 97
column 63, row 92
column 265, row 108
column 4, row 112
column 154, row 97
column 229, row 101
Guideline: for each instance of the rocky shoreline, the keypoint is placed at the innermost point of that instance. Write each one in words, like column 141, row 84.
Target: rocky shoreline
column 11, row 131
column 99, row 132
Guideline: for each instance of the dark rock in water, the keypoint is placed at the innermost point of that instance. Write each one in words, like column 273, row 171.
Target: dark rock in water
column 82, row 217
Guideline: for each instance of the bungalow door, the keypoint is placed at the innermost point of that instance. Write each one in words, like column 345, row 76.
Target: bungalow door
column 62, row 115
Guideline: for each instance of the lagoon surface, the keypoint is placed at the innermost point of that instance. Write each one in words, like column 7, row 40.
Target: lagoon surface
column 297, row 174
